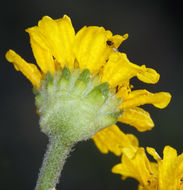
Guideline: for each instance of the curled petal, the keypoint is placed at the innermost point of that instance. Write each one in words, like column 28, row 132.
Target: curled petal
column 170, row 168
column 119, row 70
column 118, row 39
column 138, row 118
column 29, row 70
column 141, row 97
column 113, row 139
column 136, row 166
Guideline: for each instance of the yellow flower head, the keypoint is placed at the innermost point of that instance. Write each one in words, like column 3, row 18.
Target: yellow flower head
column 56, row 46
column 170, row 168
column 135, row 164
column 165, row 174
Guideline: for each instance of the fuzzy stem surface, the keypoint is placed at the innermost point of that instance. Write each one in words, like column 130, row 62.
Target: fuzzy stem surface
column 53, row 163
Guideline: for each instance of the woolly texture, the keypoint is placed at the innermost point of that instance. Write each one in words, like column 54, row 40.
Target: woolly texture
column 75, row 105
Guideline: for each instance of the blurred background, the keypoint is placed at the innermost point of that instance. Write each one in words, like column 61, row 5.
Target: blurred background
column 155, row 31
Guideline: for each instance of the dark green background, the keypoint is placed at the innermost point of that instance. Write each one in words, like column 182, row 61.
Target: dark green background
column 155, row 39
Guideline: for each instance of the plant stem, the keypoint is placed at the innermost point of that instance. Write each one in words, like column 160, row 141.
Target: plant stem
column 53, row 163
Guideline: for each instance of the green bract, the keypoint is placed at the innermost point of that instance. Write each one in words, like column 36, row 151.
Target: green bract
column 75, row 105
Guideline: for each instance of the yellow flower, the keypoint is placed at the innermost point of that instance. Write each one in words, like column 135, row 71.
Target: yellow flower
column 55, row 45
column 167, row 173
column 170, row 168
column 136, row 165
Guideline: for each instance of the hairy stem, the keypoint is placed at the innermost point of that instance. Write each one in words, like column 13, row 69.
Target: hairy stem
column 53, row 163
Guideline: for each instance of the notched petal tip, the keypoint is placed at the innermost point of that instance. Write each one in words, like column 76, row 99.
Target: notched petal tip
column 45, row 20
column 118, row 39
column 163, row 99
column 148, row 75
column 66, row 18
column 53, row 38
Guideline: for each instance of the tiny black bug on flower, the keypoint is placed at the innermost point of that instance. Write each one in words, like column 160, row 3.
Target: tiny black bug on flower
column 109, row 43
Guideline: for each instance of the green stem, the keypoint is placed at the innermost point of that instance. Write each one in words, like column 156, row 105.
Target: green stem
column 53, row 163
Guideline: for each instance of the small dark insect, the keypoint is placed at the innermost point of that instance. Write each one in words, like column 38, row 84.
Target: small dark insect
column 149, row 182
column 117, row 89
column 109, row 43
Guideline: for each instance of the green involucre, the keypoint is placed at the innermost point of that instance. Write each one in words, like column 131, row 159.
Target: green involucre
column 75, row 105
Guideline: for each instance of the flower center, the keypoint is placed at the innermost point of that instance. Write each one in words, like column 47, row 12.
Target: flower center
column 75, row 104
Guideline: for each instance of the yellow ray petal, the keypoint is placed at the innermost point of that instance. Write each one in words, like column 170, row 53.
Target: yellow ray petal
column 153, row 184
column 117, row 40
column 119, row 70
column 29, row 70
column 113, row 139
column 167, row 169
column 58, row 35
column 169, row 154
column 138, row 118
column 67, row 38
column 141, row 97
column 137, row 167
column 170, row 168
column 153, row 153
column 41, row 53
column 93, row 46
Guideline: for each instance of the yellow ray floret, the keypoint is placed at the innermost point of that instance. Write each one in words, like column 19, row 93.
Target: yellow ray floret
column 93, row 45
column 137, row 166
column 29, row 70
column 41, row 51
column 138, row 118
column 170, row 168
column 135, row 116
column 113, row 139
column 119, row 70
column 165, row 174
column 141, row 97
column 57, row 37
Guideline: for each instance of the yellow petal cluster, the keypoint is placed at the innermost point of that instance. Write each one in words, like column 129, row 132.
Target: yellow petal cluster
column 55, row 44
column 114, row 140
column 170, row 168
column 164, row 174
